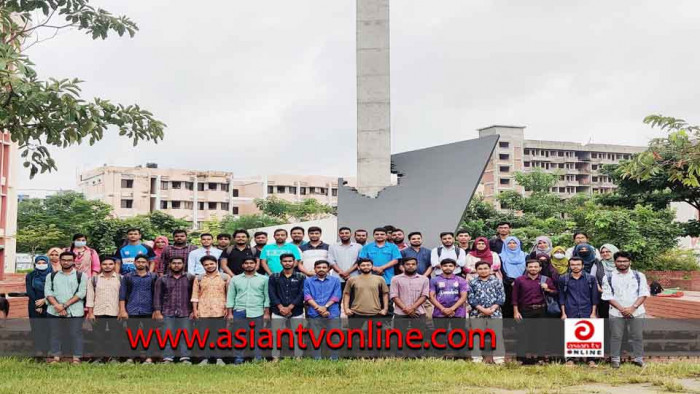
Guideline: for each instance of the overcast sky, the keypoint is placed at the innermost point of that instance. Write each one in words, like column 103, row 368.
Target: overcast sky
column 268, row 86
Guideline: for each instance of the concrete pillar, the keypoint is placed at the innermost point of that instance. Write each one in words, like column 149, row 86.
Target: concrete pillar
column 373, row 103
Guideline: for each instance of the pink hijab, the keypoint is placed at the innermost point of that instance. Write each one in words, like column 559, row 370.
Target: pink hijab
column 158, row 252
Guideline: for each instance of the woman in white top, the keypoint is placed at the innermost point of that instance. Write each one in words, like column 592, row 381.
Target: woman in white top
column 482, row 252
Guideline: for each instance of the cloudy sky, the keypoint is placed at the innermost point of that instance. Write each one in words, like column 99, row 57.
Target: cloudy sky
column 268, row 86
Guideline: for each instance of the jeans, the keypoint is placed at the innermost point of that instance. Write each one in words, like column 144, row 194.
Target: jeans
column 63, row 331
column 316, row 324
column 145, row 323
column 241, row 322
column 291, row 323
column 531, row 335
column 213, row 324
column 41, row 336
column 107, row 332
column 173, row 323
column 618, row 326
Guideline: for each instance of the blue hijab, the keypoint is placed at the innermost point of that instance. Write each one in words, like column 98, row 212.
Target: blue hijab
column 588, row 258
column 38, row 277
column 513, row 261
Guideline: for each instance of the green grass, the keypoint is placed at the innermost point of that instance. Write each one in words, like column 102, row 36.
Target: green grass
column 383, row 376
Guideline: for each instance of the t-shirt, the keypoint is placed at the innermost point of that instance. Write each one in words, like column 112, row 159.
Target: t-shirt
column 235, row 258
column 447, row 291
column 366, row 293
column 311, row 254
column 128, row 253
column 381, row 256
column 272, row 253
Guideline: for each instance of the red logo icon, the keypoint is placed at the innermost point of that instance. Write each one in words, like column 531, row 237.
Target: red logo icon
column 584, row 330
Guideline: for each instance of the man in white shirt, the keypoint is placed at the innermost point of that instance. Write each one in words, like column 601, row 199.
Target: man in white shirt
column 194, row 267
column 626, row 290
column 447, row 251
column 343, row 256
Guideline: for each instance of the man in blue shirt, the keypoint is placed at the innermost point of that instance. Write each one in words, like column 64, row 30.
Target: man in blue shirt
column 136, row 300
column 127, row 254
column 418, row 252
column 383, row 254
column 578, row 295
column 270, row 255
column 322, row 295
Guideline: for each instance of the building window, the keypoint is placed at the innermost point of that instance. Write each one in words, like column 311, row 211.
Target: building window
column 302, row 191
column 280, row 189
column 189, row 185
column 235, row 192
column 527, row 151
column 270, row 190
column 127, row 204
column 224, row 187
column 504, row 168
column 224, row 206
column 200, row 206
column 200, row 187
column 562, row 189
column 212, row 206
column 175, row 204
column 189, row 204
column 163, row 204
column 594, row 155
column 127, row 183
column 235, row 210
column 503, row 144
column 595, row 179
column 527, row 164
column 334, row 192
column 293, row 189
column 594, row 167
column 324, row 190
column 503, row 156
column 177, row 185
column 212, row 186
column 505, row 181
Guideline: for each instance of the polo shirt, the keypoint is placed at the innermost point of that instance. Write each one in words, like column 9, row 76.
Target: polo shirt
column 422, row 256
column 249, row 294
column 311, row 254
column 380, row 256
column 409, row 289
column 580, row 295
column 344, row 256
column 527, row 291
column 194, row 267
column 128, row 253
column 272, row 253
column 322, row 291
column 137, row 292
column 447, row 292
column 235, row 258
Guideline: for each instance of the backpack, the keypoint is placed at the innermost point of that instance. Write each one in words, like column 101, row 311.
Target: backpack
column 636, row 276
column 78, row 277
column 457, row 250
column 567, row 276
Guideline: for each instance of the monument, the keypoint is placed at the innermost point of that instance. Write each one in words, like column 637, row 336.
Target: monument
column 435, row 184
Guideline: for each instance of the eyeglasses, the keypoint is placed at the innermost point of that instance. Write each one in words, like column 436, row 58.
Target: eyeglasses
column 66, row 261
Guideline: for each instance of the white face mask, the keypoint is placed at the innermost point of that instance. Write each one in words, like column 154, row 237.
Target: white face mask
column 42, row 267
column 80, row 244
column 559, row 255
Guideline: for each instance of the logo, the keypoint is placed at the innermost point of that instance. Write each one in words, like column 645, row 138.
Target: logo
column 583, row 337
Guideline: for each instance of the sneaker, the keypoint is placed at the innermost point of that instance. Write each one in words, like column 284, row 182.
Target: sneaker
column 238, row 361
column 615, row 364
column 638, row 363
column 147, row 362
column 129, row 361
column 220, row 362
column 592, row 364
column 204, row 362
column 185, row 361
column 167, row 361
column 569, row 363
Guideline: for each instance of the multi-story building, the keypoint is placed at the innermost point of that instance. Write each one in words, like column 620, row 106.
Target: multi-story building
column 8, row 203
column 577, row 165
column 193, row 195
column 293, row 188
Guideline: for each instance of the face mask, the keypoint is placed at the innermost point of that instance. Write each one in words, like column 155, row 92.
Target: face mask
column 80, row 244
column 42, row 267
column 558, row 255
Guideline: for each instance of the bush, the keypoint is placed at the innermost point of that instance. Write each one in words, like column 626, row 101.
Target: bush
column 674, row 260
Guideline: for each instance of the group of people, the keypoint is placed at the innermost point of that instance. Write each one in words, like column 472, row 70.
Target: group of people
column 313, row 283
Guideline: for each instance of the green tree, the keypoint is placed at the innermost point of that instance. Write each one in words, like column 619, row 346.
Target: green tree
column 670, row 165
column 231, row 223
column 309, row 209
column 38, row 238
column 536, row 181
column 42, row 113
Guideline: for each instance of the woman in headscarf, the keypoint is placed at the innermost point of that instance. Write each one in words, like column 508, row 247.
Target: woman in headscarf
column 158, row 247
column 482, row 252
column 37, row 304
column 54, row 258
column 87, row 260
column 591, row 264
column 559, row 260
column 607, row 253
column 543, row 244
column 512, row 266
column 547, row 268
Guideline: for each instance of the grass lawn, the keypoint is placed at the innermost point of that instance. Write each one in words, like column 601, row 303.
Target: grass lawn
column 383, row 376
